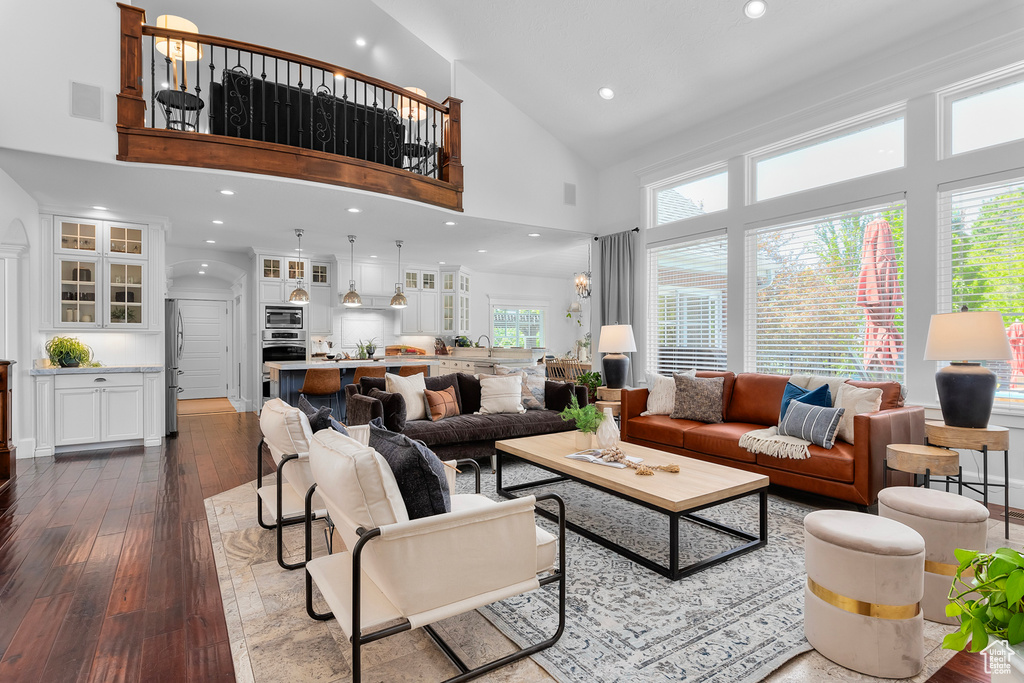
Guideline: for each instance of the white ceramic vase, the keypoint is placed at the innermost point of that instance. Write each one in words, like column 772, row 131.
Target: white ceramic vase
column 584, row 440
column 607, row 433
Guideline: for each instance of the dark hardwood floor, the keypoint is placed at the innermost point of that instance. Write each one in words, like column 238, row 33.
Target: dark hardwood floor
column 106, row 564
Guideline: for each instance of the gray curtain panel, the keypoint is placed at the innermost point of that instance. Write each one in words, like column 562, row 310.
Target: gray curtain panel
column 615, row 277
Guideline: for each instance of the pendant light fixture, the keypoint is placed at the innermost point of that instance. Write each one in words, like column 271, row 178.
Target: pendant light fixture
column 399, row 300
column 352, row 298
column 299, row 296
column 583, row 279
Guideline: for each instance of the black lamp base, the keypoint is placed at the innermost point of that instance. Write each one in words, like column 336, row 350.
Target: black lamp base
column 616, row 367
column 967, row 392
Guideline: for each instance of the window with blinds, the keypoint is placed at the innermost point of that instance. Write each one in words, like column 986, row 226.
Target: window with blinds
column 518, row 327
column 688, row 282
column 981, row 242
column 825, row 297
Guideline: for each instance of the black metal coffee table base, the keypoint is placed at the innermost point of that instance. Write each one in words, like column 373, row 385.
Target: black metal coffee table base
column 673, row 571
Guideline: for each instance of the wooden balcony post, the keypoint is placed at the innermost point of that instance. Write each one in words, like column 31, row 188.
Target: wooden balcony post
column 7, row 455
column 131, row 105
column 451, row 164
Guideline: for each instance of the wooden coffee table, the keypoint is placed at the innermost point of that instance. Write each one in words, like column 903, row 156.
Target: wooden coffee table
column 697, row 486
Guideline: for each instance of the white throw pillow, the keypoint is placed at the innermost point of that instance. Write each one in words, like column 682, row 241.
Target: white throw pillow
column 855, row 401
column 501, row 395
column 812, row 382
column 661, row 393
column 412, row 389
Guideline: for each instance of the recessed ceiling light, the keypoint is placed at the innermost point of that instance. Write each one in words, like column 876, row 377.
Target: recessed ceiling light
column 481, row 251
column 449, row 223
column 165, row 84
column 100, row 208
column 373, row 256
column 202, row 272
column 227, row 192
column 534, row 234
column 203, row 265
column 355, row 210
column 211, row 241
column 755, row 9
column 606, row 93
column 361, row 42
column 218, row 222
column 440, row 263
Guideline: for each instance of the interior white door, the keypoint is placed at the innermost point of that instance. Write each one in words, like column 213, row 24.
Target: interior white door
column 204, row 354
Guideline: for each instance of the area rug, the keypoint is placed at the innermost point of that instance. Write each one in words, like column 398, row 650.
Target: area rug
column 736, row 622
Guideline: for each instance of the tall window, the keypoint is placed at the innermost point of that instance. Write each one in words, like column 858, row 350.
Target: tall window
column 518, row 327
column 876, row 148
column 692, row 198
column 980, row 266
column 826, row 296
column 688, row 283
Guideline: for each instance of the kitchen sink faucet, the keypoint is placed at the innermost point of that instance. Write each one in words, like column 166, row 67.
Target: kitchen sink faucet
column 484, row 336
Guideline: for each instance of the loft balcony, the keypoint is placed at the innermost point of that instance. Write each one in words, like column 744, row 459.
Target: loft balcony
column 188, row 99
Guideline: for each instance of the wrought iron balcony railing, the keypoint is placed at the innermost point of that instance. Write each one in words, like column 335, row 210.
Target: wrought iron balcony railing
column 194, row 100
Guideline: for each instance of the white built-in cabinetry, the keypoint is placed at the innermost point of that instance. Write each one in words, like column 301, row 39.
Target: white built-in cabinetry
column 102, row 275
column 321, row 298
column 455, row 301
column 82, row 409
column 278, row 276
column 421, row 289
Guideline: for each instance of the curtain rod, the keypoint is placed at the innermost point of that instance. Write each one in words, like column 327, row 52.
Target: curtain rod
column 636, row 229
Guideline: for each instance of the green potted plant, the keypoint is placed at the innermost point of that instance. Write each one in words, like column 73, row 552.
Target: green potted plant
column 67, row 352
column 987, row 596
column 591, row 380
column 587, row 420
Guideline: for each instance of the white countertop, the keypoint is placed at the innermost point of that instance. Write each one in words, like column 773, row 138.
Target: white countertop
column 387, row 361
column 103, row 369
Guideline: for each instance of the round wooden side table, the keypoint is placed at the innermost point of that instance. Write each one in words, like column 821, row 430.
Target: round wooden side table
column 991, row 438
column 925, row 460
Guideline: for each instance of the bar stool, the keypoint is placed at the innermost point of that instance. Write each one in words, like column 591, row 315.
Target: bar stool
column 322, row 382
column 409, row 370
column 368, row 371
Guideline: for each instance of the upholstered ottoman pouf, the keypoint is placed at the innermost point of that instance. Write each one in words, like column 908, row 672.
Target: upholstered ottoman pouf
column 946, row 521
column 865, row 578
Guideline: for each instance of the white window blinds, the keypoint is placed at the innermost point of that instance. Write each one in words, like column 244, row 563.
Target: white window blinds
column 825, row 297
column 518, row 327
column 687, row 284
column 981, row 266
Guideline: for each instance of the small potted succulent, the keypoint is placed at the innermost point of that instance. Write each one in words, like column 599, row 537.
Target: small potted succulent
column 987, row 596
column 587, row 420
column 68, row 352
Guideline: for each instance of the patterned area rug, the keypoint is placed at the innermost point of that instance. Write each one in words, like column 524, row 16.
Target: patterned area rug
column 736, row 622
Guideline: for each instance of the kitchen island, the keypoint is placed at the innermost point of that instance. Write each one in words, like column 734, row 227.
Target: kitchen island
column 286, row 377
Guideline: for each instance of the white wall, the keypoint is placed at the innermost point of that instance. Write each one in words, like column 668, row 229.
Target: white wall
column 514, row 168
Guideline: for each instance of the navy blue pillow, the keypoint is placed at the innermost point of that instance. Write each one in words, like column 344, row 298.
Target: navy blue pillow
column 418, row 472
column 816, row 397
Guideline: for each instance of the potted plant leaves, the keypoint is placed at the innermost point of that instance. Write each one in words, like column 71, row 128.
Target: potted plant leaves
column 587, row 420
column 987, row 596
column 67, row 352
column 591, row 380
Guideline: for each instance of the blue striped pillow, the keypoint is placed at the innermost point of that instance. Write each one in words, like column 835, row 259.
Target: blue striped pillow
column 812, row 423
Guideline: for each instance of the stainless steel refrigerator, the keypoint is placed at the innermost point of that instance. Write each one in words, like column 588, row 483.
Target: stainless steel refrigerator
column 175, row 341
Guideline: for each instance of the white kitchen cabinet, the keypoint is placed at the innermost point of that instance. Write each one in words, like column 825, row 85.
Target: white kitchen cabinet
column 421, row 315
column 79, row 410
column 455, row 301
column 272, row 291
column 321, row 320
column 121, row 413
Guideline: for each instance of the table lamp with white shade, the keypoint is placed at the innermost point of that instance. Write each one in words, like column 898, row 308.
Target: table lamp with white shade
column 615, row 342
column 966, row 390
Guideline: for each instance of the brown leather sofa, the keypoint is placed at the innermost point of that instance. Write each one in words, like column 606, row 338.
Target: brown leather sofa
column 850, row 472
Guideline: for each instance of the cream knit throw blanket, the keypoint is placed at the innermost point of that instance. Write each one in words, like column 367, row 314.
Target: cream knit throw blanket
column 770, row 442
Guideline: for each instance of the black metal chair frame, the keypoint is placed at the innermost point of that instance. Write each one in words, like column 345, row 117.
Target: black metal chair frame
column 359, row 639
column 282, row 521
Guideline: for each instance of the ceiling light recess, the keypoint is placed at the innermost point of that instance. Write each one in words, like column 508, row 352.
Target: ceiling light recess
column 100, row 208
column 355, row 210
column 606, row 93
column 227, row 192
column 450, row 223
column 755, row 9
column 211, row 241
column 534, row 234
column 218, row 222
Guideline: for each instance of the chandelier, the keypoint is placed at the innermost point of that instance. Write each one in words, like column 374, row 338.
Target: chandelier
column 583, row 281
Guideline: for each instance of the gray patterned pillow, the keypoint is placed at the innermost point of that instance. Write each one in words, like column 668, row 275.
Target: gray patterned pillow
column 816, row 424
column 698, row 398
column 534, row 378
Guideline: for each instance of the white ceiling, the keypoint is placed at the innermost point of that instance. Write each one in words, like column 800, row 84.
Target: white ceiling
column 673, row 64
column 264, row 212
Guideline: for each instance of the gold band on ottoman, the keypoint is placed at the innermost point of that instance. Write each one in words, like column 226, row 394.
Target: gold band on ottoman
column 867, row 609
column 946, row 569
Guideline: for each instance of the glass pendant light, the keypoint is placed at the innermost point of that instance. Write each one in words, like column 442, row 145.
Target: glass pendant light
column 299, row 296
column 583, row 281
column 352, row 298
column 399, row 300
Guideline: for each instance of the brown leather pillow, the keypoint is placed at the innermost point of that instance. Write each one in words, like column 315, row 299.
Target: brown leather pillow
column 892, row 392
column 441, row 404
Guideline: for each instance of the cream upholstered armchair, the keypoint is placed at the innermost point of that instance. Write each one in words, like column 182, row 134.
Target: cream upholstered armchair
column 287, row 434
column 420, row 571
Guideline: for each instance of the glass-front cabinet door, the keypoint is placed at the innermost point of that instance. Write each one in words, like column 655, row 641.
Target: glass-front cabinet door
column 78, row 301
column 272, row 268
column 125, row 289
column 412, row 280
column 296, row 270
column 447, row 312
column 428, row 281
column 125, row 240
column 76, row 236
